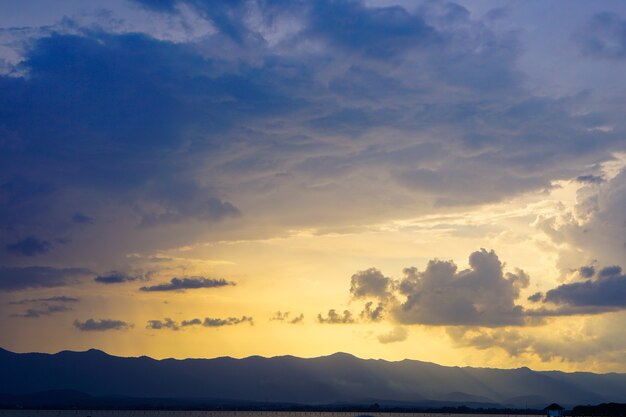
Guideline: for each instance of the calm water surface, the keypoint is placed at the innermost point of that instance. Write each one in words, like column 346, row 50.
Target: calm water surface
column 151, row 413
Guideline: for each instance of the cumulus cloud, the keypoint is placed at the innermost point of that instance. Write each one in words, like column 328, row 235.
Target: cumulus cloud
column 166, row 323
column 286, row 317
column 372, row 314
column 397, row 334
column 370, row 283
column 21, row 278
column 95, row 325
column 30, row 246
column 192, row 283
column 336, row 318
column 483, row 295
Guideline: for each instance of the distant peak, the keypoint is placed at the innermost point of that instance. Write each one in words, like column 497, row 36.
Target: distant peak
column 341, row 355
column 93, row 351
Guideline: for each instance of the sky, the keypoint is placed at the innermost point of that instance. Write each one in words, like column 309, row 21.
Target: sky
column 427, row 180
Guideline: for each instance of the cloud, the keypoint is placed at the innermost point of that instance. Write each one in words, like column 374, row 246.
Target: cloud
column 229, row 321
column 298, row 319
column 590, row 179
column 45, row 306
column 22, row 278
column 166, row 323
column 372, row 314
column 483, row 295
column 181, row 284
column 285, row 317
column 30, row 246
column 610, row 271
column 115, row 277
column 370, row 283
column 335, row 318
column 603, row 36
column 587, row 271
column 513, row 342
column 207, row 146
column 81, row 218
column 606, row 292
column 91, row 325
column 397, row 334
column 59, row 299
column 45, row 310
column 170, row 324
column 599, row 340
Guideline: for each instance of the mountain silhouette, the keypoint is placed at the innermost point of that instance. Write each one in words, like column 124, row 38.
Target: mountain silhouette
column 336, row 379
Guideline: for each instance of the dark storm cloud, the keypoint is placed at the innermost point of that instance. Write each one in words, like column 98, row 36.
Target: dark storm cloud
column 30, row 246
column 482, row 295
column 115, row 277
column 166, row 323
column 606, row 292
column 91, row 325
column 164, row 134
column 180, row 284
column 603, row 36
column 536, row 297
column 82, row 93
column 335, row 318
column 17, row 279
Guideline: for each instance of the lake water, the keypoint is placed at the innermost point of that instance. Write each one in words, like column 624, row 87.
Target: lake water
column 152, row 413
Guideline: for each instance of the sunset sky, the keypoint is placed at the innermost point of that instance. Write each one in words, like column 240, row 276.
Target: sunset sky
column 421, row 179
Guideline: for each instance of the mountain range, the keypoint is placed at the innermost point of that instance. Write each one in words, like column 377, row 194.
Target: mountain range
column 335, row 379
